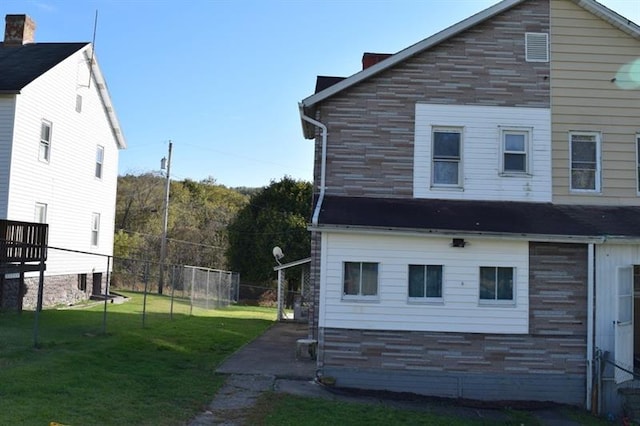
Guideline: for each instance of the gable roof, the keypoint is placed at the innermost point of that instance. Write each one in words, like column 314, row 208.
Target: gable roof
column 20, row 65
column 592, row 6
column 505, row 218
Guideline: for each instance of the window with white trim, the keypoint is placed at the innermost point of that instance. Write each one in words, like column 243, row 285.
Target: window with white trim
column 584, row 155
column 447, row 150
column 515, row 150
column 638, row 160
column 425, row 282
column 40, row 215
column 360, row 280
column 497, row 284
column 95, row 229
column 45, row 141
column 99, row 161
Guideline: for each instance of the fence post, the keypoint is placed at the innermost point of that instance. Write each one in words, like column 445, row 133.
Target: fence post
column 172, row 276
column 146, row 285
column 106, row 294
column 193, row 278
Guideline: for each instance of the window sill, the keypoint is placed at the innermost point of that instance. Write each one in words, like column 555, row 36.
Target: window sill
column 497, row 303
column 360, row 299
column 585, row 192
column 446, row 188
column 515, row 174
column 425, row 301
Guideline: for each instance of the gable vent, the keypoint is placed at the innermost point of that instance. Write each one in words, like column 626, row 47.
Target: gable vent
column 537, row 47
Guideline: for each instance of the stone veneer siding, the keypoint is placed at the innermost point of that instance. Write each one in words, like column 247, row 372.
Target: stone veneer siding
column 58, row 290
column 371, row 125
column 546, row 364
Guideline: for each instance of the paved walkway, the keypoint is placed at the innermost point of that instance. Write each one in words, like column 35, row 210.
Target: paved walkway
column 269, row 364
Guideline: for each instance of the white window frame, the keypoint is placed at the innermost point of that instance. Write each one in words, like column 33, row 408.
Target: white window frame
column 40, row 213
column 99, row 162
column 425, row 298
column 638, row 162
column 459, row 160
column 598, row 170
column 496, row 301
column 532, row 47
column 44, row 146
column 95, row 229
column 360, row 296
column 526, row 132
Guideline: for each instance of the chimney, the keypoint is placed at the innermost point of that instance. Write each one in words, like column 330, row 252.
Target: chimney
column 18, row 30
column 369, row 59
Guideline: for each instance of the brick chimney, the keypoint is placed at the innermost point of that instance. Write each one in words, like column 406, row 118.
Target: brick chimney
column 19, row 30
column 369, row 59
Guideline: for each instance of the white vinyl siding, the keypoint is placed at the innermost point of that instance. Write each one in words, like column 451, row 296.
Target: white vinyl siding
column 459, row 310
column 482, row 153
column 584, row 151
column 67, row 184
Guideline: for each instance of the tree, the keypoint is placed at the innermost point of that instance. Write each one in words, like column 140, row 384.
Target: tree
column 276, row 216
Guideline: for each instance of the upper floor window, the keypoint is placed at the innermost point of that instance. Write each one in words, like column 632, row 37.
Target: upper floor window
column 496, row 284
column 45, row 141
column 447, row 149
column 585, row 161
column 360, row 279
column 99, row 161
column 40, row 215
column 425, row 282
column 638, row 159
column 95, row 229
column 515, row 151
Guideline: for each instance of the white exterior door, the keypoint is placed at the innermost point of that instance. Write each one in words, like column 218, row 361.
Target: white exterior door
column 624, row 324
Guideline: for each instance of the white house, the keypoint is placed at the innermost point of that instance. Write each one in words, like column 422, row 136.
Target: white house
column 59, row 145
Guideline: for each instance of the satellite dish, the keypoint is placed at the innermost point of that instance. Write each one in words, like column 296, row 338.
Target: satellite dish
column 277, row 254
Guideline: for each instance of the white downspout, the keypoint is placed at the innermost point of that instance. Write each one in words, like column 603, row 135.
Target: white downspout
column 323, row 163
column 590, row 309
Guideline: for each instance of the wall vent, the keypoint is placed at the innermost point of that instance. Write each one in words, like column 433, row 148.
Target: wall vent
column 537, row 47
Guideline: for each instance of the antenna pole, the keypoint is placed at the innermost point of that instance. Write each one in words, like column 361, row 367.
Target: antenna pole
column 93, row 48
column 163, row 242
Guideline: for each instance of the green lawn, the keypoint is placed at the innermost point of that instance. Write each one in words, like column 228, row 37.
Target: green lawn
column 162, row 374
column 275, row 409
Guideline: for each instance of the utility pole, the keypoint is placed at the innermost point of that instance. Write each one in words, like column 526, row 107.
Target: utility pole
column 163, row 243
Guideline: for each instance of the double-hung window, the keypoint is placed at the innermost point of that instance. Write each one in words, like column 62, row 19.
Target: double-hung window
column 638, row 160
column 515, row 151
column 45, row 141
column 99, row 161
column 360, row 280
column 497, row 284
column 95, row 229
column 425, row 282
column 40, row 215
column 447, row 150
column 585, row 161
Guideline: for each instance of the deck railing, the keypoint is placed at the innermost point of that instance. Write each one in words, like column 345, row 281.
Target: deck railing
column 22, row 242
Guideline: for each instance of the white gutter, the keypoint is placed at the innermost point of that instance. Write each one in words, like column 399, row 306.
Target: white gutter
column 323, row 162
column 590, row 307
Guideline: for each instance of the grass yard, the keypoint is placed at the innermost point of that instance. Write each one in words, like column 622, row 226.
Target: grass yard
column 162, row 374
column 273, row 409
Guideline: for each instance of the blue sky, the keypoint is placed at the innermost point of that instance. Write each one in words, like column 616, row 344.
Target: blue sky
column 222, row 78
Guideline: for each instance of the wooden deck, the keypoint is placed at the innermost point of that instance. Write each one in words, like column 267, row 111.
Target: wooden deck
column 23, row 245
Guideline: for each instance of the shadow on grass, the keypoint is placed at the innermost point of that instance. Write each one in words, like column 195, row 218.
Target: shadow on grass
column 163, row 373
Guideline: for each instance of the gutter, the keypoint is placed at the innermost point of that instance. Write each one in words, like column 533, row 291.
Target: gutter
column 323, row 162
